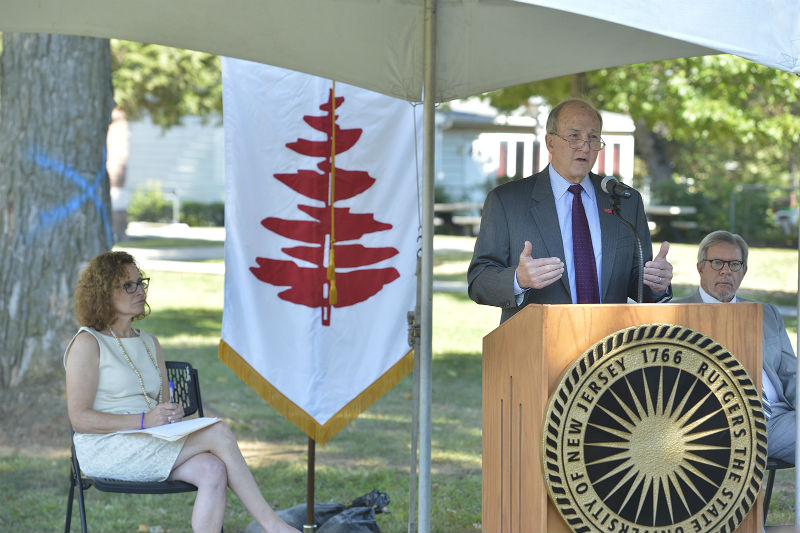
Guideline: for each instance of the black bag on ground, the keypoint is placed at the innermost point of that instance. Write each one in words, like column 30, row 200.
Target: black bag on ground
column 376, row 499
column 356, row 516
column 352, row 520
column 296, row 516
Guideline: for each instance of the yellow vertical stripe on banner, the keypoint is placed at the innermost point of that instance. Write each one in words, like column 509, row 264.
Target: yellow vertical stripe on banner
column 333, row 293
column 321, row 433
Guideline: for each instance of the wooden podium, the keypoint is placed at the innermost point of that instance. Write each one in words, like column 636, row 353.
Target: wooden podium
column 523, row 360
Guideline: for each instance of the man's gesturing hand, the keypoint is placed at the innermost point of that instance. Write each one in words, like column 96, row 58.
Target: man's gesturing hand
column 658, row 272
column 537, row 273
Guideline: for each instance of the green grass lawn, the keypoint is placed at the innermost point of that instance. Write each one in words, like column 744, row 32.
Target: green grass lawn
column 372, row 452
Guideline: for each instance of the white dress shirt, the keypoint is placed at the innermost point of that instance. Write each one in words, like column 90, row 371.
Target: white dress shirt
column 563, row 199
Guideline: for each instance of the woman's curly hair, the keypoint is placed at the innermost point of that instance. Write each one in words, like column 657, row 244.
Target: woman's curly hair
column 93, row 291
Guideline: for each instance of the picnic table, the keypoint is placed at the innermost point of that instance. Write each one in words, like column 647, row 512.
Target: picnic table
column 464, row 216
column 671, row 219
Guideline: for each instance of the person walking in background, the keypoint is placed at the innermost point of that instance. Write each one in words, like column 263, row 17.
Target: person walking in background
column 722, row 264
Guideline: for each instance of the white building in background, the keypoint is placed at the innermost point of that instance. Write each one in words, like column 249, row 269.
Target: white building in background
column 474, row 148
column 187, row 160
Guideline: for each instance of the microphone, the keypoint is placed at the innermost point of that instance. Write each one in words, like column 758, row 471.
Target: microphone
column 611, row 186
column 618, row 190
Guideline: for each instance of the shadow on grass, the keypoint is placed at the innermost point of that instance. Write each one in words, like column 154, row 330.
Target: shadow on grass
column 34, row 493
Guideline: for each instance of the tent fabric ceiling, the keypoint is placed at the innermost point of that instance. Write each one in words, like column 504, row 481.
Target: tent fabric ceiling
column 378, row 44
column 765, row 32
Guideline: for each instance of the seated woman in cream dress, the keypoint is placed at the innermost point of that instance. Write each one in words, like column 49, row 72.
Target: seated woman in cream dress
column 117, row 380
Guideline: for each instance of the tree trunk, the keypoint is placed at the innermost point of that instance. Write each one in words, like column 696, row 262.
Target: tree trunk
column 651, row 147
column 54, row 196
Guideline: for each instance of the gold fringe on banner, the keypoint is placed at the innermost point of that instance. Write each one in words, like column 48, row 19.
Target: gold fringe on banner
column 297, row 416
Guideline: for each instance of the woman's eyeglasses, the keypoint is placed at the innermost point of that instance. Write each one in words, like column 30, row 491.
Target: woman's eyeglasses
column 132, row 286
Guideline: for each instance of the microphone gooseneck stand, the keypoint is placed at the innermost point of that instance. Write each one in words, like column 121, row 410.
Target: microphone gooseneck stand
column 615, row 200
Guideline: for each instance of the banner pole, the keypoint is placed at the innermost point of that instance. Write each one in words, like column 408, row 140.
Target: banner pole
column 310, row 526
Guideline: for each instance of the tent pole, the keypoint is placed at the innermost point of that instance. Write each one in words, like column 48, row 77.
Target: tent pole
column 797, row 379
column 413, row 470
column 426, row 321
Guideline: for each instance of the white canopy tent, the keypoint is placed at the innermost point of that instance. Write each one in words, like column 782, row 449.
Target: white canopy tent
column 444, row 49
column 480, row 45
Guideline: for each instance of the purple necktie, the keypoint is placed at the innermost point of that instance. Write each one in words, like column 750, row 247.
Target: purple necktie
column 582, row 252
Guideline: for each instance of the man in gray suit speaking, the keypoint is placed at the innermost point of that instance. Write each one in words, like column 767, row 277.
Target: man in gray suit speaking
column 722, row 264
column 551, row 238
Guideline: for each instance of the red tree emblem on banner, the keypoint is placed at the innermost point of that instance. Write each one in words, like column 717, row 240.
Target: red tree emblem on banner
column 336, row 279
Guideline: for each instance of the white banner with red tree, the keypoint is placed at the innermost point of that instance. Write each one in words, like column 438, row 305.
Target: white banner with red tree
column 322, row 232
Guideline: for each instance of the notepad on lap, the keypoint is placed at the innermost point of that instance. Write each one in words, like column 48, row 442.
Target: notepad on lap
column 176, row 430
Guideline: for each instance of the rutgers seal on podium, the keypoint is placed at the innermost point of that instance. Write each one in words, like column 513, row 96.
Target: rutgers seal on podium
column 656, row 428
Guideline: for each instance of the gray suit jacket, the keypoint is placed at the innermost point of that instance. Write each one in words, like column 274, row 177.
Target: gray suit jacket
column 526, row 210
column 778, row 357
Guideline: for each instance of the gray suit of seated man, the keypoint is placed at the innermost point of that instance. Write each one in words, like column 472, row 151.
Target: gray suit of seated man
column 722, row 263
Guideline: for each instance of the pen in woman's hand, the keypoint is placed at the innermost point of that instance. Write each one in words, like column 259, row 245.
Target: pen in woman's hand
column 171, row 392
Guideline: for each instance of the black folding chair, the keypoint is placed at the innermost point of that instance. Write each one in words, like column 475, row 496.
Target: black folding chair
column 772, row 466
column 187, row 393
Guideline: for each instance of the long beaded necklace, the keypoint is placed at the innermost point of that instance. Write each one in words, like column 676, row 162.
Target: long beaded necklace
column 136, row 370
